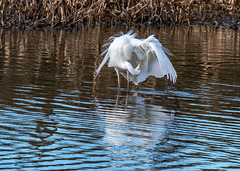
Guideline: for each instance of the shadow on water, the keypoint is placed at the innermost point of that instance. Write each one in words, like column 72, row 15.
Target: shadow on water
column 56, row 116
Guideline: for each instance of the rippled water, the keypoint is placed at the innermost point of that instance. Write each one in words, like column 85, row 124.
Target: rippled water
column 54, row 115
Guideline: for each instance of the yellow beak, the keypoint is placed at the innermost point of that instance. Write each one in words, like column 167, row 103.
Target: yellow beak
column 140, row 64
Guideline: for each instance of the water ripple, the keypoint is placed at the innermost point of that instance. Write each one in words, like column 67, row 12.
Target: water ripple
column 55, row 115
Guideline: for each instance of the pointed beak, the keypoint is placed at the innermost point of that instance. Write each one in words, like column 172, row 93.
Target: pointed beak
column 140, row 64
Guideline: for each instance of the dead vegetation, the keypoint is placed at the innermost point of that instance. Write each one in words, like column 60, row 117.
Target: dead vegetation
column 70, row 13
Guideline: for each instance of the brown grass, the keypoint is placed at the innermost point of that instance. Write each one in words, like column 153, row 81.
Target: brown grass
column 69, row 13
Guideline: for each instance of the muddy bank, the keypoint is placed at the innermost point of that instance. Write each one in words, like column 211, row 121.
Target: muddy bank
column 71, row 13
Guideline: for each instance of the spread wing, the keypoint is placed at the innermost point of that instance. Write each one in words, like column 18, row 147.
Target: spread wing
column 155, row 61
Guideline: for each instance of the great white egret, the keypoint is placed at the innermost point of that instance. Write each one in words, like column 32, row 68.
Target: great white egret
column 136, row 59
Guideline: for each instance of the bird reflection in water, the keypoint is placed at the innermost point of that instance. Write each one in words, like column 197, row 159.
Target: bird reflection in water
column 140, row 126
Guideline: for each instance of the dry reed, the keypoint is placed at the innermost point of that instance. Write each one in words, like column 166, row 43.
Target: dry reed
column 69, row 13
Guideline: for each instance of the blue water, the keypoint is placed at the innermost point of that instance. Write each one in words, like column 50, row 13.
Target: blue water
column 56, row 116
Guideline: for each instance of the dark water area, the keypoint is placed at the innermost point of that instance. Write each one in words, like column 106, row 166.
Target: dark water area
column 55, row 115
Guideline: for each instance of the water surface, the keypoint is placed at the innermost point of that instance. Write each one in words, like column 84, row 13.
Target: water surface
column 55, row 115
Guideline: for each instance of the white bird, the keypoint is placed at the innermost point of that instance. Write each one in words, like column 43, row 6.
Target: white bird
column 136, row 59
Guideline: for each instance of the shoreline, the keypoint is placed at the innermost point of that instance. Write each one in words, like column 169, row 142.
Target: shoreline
column 69, row 14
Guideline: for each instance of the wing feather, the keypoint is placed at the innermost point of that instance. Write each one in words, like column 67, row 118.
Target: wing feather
column 130, row 34
column 156, row 61
column 165, row 64
column 150, row 50
column 105, row 59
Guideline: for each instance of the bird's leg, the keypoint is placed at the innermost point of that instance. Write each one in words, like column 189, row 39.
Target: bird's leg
column 118, row 76
column 128, row 79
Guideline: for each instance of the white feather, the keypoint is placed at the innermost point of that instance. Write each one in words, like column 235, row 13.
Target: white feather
column 126, row 52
